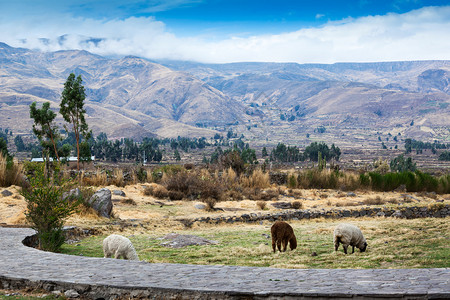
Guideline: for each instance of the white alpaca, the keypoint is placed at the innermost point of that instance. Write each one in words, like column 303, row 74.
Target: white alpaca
column 118, row 246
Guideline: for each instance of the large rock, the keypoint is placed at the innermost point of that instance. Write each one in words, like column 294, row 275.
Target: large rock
column 6, row 193
column 119, row 193
column 102, row 203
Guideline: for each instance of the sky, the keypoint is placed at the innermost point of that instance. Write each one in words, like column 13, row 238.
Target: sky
column 223, row 31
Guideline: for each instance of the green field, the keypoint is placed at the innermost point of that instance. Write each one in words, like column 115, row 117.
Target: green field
column 393, row 243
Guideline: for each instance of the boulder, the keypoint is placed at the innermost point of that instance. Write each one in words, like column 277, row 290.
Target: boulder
column 119, row 193
column 71, row 294
column 200, row 206
column 101, row 202
column 6, row 193
column 397, row 214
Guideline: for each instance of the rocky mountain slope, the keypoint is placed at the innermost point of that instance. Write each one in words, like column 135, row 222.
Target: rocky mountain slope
column 128, row 97
column 409, row 98
column 267, row 102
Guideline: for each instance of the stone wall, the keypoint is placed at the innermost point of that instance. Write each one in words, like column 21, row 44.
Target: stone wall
column 412, row 212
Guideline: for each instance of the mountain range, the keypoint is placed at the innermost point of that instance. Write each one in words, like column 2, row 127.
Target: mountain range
column 267, row 102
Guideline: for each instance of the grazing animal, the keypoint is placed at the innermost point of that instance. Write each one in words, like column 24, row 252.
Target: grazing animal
column 349, row 235
column 282, row 232
column 118, row 246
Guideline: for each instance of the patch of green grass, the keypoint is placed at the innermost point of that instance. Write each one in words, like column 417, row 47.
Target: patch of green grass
column 393, row 243
column 21, row 297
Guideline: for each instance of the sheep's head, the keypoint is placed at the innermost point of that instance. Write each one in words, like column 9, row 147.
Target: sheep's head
column 364, row 247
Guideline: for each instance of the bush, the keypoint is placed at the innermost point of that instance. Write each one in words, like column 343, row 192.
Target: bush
column 292, row 181
column 47, row 209
column 194, row 185
column 297, row 204
column 160, row 192
column 210, row 203
column 10, row 172
column 261, row 204
column 175, row 195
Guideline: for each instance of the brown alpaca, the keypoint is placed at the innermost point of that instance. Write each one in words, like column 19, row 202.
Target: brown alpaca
column 282, row 232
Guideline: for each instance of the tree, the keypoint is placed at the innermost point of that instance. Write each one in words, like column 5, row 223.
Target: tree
column 72, row 110
column 399, row 164
column 3, row 135
column 264, row 152
column 20, row 145
column 312, row 151
column 445, row 156
column 44, row 128
column 335, row 152
column 176, row 155
column 3, row 148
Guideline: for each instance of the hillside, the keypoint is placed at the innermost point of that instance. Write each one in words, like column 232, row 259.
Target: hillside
column 361, row 101
column 267, row 102
column 128, row 97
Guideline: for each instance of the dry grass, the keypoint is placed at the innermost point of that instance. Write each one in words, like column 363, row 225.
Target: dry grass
column 156, row 190
column 258, row 179
column 375, row 201
column 261, row 204
column 229, row 177
column 117, row 178
column 10, row 173
column 99, row 178
column 128, row 201
column 234, row 195
column 346, row 203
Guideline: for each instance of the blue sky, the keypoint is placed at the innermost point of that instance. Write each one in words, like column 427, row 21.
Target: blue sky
column 220, row 31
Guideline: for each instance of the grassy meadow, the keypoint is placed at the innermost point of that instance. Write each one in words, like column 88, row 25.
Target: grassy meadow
column 393, row 243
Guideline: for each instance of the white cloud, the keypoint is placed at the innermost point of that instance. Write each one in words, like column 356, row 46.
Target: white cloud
column 417, row 35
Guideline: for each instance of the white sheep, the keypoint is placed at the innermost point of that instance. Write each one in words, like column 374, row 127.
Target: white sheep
column 119, row 246
column 349, row 234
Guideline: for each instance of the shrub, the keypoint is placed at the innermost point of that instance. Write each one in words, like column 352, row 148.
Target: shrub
column 292, row 181
column 160, row 192
column 118, row 179
column 258, row 179
column 444, row 184
column 269, row 194
column 148, row 191
column 156, row 190
column 297, row 204
column 99, row 178
column 261, row 204
column 47, row 209
column 10, row 172
column 320, row 179
column 235, row 195
column 210, row 203
column 175, row 195
column 252, row 194
column 157, row 174
column 141, row 174
column 194, row 185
